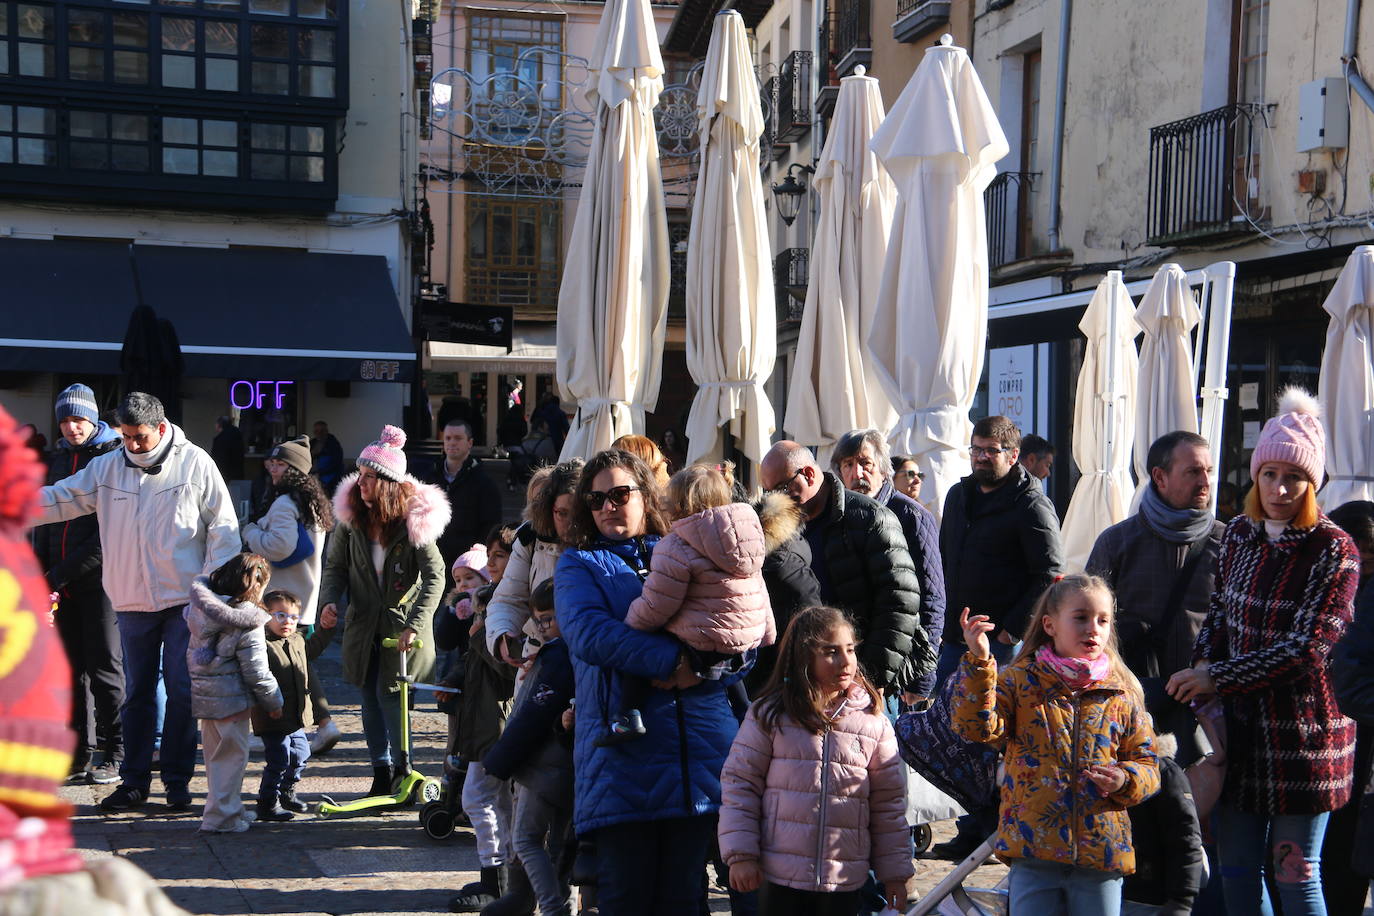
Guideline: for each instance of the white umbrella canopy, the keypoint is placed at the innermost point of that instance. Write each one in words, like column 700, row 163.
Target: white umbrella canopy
column 1167, row 391
column 834, row 387
column 613, row 301
column 1346, row 388
column 939, row 143
column 731, row 323
column 1103, row 420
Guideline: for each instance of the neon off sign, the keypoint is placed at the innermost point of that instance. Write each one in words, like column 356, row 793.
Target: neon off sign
column 256, row 393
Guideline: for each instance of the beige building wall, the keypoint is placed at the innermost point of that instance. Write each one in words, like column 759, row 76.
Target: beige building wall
column 895, row 61
column 1135, row 66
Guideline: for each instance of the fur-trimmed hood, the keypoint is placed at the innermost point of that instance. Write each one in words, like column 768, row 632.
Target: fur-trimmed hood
column 210, row 617
column 426, row 517
column 782, row 519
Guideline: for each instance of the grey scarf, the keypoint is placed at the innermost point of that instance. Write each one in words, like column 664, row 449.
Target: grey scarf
column 1178, row 526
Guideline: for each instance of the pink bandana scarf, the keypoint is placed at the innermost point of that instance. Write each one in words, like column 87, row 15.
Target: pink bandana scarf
column 1077, row 673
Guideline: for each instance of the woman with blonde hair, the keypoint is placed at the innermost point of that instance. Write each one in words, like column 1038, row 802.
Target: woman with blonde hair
column 647, row 451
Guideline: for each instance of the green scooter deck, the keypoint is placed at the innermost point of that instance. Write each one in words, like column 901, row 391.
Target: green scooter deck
column 412, row 786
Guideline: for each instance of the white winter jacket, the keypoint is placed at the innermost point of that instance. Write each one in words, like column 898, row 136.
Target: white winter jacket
column 532, row 560
column 276, row 536
column 157, row 531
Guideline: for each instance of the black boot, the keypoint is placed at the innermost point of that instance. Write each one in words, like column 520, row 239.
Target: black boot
column 269, row 810
column 473, row 897
column 518, row 899
column 288, row 800
column 381, row 781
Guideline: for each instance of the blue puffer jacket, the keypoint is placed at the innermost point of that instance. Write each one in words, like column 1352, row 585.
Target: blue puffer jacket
column 674, row 770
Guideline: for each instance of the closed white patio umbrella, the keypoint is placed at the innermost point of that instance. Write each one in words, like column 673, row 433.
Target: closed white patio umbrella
column 939, row 143
column 731, row 323
column 1103, row 420
column 613, row 301
column 1347, row 383
column 834, row 387
column 1167, row 393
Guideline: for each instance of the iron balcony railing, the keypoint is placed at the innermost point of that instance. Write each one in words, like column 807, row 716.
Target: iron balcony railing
column 1202, row 171
column 852, row 31
column 768, row 100
column 794, row 96
column 790, row 271
column 1006, row 203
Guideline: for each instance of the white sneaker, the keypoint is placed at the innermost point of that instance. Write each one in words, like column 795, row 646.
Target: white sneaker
column 325, row 738
column 247, row 815
column 238, row 826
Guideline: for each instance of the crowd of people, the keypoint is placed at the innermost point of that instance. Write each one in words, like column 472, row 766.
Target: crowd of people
column 653, row 670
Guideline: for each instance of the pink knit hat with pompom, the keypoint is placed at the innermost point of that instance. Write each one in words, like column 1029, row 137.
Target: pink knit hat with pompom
column 385, row 456
column 1294, row 435
column 474, row 559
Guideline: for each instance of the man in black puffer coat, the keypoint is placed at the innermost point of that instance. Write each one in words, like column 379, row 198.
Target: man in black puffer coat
column 860, row 557
column 70, row 555
column 999, row 540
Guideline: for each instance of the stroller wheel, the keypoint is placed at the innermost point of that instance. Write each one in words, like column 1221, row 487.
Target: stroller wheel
column 921, row 837
column 430, row 791
column 437, row 822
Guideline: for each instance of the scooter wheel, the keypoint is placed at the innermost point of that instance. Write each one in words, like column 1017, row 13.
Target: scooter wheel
column 921, row 837
column 431, row 790
column 427, row 810
column 437, row 822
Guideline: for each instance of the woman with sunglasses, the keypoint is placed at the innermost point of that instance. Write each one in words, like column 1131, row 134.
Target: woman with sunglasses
column 288, row 528
column 650, row 804
column 384, row 554
column 907, row 477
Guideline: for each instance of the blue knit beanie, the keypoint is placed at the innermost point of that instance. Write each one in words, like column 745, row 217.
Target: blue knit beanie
column 77, row 401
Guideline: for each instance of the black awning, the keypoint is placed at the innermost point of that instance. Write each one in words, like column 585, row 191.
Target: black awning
column 238, row 313
column 66, row 304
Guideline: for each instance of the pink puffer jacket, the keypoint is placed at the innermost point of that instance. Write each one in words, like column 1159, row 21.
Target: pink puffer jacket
column 705, row 583
column 818, row 811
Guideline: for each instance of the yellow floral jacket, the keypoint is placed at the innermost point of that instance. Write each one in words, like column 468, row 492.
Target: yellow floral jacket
column 1049, row 735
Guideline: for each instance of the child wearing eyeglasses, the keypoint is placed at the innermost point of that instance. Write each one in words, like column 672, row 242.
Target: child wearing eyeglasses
column 283, row 739
column 705, row 586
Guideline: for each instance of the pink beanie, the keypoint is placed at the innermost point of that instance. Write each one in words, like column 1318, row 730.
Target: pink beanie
column 475, row 559
column 385, row 456
column 1293, row 435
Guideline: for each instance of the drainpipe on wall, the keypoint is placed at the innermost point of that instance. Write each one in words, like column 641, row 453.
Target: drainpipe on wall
column 1352, row 73
column 1060, row 100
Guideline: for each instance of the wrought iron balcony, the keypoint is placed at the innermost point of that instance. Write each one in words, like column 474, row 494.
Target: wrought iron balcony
column 1006, row 204
column 790, row 272
column 916, row 18
column 853, row 39
column 794, row 97
column 1204, row 173
column 768, row 143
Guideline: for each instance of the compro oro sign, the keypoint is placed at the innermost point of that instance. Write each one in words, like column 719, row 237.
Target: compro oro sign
column 1012, row 374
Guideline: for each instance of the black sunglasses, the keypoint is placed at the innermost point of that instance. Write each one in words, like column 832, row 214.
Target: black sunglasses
column 782, row 487
column 617, row 496
column 912, row 475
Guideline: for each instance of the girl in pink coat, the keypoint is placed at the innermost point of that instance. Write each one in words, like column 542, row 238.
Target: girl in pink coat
column 813, row 794
column 704, row 585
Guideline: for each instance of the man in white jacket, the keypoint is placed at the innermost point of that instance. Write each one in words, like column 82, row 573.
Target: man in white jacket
column 165, row 518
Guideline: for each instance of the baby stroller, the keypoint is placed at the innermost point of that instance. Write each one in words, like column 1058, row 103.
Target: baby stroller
column 963, row 771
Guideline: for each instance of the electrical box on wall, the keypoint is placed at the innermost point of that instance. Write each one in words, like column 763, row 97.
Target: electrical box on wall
column 1323, row 115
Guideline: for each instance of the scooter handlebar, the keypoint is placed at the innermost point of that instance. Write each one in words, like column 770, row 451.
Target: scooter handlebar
column 390, row 642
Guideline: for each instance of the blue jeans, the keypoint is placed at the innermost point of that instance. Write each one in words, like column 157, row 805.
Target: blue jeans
column 286, row 755
column 382, row 725
column 154, row 640
column 656, row 867
column 1048, row 888
column 1243, row 841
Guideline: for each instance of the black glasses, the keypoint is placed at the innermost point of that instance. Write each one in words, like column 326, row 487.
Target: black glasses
column 782, row 487
column 911, row 475
column 977, row 451
column 616, row 496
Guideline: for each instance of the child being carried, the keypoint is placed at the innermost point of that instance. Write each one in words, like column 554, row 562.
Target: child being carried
column 705, row 586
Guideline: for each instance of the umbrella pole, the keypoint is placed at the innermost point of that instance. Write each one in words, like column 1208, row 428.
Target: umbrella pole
column 1222, row 278
column 1110, row 395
